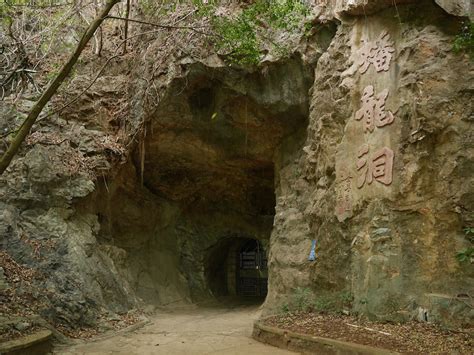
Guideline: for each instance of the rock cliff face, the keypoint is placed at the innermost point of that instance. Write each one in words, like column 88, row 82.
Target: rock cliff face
column 203, row 172
column 361, row 140
column 383, row 181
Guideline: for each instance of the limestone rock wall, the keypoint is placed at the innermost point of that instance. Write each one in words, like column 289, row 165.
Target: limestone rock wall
column 42, row 226
column 111, row 228
column 383, row 181
column 374, row 163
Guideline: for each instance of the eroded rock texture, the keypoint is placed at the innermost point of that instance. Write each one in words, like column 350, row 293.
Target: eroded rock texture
column 204, row 172
column 390, row 237
column 360, row 140
column 43, row 227
column 146, row 232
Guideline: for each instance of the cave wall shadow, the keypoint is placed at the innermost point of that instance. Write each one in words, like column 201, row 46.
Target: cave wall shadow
column 236, row 270
column 212, row 162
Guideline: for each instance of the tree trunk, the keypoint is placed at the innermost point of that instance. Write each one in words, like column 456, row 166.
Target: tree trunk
column 53, row 87
column 125, row 35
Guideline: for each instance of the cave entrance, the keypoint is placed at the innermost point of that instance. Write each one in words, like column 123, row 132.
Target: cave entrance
column 237, row 268
column 225, row 142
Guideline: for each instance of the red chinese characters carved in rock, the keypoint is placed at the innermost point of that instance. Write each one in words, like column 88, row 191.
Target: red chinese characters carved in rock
column 378, row 53
column 372, row 112
column 379, row 167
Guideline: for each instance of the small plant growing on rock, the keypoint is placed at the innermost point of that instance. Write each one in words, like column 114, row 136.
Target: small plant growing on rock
column 325, row 304
column 346, row 299
column 466, row 255
column 364, row 301
column 469, row 233
column 302, row 299
column 464, row 42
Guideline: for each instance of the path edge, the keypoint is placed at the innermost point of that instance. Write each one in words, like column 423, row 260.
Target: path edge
column 310, row 344
column 38, row 342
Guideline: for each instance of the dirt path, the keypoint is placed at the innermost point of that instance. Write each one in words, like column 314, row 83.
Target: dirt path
column 188, row 330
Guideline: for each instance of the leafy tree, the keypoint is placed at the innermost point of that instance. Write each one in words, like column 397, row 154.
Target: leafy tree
column 240, row 37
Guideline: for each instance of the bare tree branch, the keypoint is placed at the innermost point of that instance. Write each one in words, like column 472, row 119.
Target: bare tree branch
column 157, row 24
column 125, row 36
column 115, row 55
column 53, row 87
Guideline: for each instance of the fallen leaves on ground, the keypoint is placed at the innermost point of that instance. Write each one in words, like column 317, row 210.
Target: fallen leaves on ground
column 120, row 322
column 408, row 338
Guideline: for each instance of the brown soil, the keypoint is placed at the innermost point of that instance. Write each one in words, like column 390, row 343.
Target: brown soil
column 408, row 338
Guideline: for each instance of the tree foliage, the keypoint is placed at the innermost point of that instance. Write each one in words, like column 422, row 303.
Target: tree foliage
column 240, row 36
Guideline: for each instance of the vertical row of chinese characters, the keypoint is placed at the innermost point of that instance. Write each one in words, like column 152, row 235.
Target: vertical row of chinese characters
column 379, row 165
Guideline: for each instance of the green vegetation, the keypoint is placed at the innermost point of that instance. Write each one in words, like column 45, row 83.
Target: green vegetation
column 346, row 298
column 464, row 41
column 466, row 255
column 10, row 8
column 302, row 301
column 240, row 37
column 469, row 233
column 285, row 308
column 325, row 304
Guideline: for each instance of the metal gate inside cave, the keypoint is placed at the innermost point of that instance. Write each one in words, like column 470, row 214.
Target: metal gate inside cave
column 252, row 272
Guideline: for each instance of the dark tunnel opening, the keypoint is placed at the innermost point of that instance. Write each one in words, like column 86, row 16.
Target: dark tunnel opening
column 236, row 268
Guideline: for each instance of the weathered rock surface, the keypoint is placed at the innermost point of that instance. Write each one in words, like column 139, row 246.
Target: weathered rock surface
column 365, row 7
column 390, row 243
column 223, row 152
column 339, row 8
column 457, row 7
column 42, row 228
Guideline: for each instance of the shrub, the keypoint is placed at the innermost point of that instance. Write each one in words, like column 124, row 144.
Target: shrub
column 240, row 37
column 465, row 255
column 464, row 42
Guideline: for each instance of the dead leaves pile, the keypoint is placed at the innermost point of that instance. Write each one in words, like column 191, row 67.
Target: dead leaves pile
column 406, row 338
column 15, row 272
column 120, row 322
column 19, row 299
